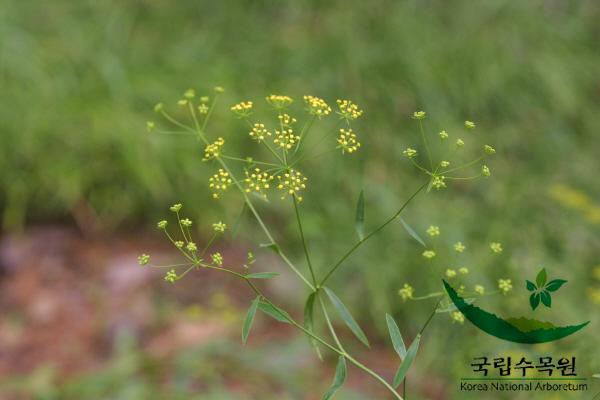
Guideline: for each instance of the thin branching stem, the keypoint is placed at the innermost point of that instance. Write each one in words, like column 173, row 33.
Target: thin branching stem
column 304, row 245
column 299, row 326
column 373, row 232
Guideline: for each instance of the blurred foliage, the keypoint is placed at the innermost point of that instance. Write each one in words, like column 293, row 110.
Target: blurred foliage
column 79, row 80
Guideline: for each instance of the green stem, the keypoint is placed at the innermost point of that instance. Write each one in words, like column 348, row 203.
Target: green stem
column 357, row 244
column 306, row 253
column 340, row 352
column 426, row 144
column 328, row 321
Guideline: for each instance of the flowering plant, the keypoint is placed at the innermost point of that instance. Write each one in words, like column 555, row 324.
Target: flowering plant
column 281, row 173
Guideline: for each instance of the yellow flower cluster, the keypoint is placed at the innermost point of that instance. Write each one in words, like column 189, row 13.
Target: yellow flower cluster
column 457, row 316
column 428, row 254
column 219, row 227
column 438, row 182
column 279, row 101
column 286, row 138
column 219, row 183
column 347, row 141
column 259, row 132
column 257, row 181
column 291, row 183
column 286, row 120
column 242, row 109
column 217, row 259
column 496, row 247
column 459, row 247
column 433, row 230
column 171, row 276
column 504, row 285
column 410, row 153
column 316, row 106
column 348, row 109
column 479, row 289
column 419, row 115
column 213, row 150
column 406, row 292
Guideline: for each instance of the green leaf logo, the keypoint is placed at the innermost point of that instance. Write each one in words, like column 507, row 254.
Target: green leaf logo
column 541, row 289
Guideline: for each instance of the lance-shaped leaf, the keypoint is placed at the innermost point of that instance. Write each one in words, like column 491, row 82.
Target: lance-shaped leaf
column 249, row 319
column 360, row 216
column 554, row 285
column 308, row 322
column 338, row 380
column 596, row 376
column 541, row 277
column 406, row 363
column 531, row 286
column 396, row 336
column 546, row 298
column 534, row 300
column 262, row 275
column 274, row 312
column 412, row 232
column 346, row 316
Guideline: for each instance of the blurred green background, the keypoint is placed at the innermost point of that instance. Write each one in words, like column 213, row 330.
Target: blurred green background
column 79, row 80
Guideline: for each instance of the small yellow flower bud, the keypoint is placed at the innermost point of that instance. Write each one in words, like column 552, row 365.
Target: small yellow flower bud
column 458, row 317
column 485, row 171
column 469, row 124
column 504, row 285
column 150, row 126
column 410, row 153
column 428, row 254
column 419, row 115
column 158, row 107
column 450, row 273
column 189, row 94
column 161, row 224
column 479, row 289
column 433, row 230
column 219, row 227
column 443, row 135
column 175, row 207
column 144, row 259
column 459, row 247
column 496, row 247
column 460, row 143
column 489, row 149
column 171, row 276
column 463, row 270
column 406, row 292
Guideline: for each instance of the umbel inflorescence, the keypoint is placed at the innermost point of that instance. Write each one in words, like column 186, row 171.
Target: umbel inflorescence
column 279, row 147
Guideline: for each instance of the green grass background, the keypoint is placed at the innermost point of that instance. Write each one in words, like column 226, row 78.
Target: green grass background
column 78, row 81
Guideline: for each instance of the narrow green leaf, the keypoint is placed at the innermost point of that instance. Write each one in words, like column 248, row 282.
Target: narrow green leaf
column 238, row 222
column 360, row 216
column 338, row 380
column 541, row 277
column 412, row 232
column 262, row 275
column 555, row 284
column 346, row 316
column 396, row 336
column 596, row 376
column 531, row 286
column 534, row 300
column 406, row 363
column 271, row 246
column 546, row 299
column 249, row 319
column 308, row 322
column 274, row 312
